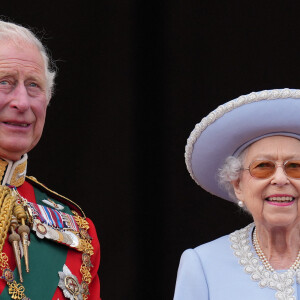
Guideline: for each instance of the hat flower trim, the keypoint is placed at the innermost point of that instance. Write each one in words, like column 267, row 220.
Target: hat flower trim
column 227, row 107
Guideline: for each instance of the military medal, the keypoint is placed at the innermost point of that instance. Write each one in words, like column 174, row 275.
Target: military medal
column 74, row 238
column 54, row 218
column 57, row 226
column 70, row 285
column 67, row 239
column 41, row 230
column 53, row 234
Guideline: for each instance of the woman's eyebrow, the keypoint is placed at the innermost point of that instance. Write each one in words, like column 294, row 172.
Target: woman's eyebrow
column 274, row 156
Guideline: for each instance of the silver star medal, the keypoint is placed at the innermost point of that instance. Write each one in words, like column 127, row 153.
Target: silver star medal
column 69, row 284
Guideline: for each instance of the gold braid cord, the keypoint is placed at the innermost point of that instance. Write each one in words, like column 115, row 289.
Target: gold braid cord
column 81, row 222
column 85, row 246
column 7, row 202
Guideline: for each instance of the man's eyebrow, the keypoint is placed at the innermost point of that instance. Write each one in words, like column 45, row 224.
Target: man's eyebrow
column 30, row 76
column 36, row 77
column 4, row 73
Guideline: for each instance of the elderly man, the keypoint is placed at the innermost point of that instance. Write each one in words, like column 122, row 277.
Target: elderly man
column 48, row 248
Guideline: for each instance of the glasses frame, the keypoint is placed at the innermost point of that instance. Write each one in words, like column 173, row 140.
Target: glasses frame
column 276, row 166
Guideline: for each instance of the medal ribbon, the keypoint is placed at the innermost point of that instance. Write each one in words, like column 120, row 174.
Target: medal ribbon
column 53, row 217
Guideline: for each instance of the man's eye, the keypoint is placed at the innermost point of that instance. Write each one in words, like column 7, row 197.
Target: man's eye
column 3, row 82
column 33, row 84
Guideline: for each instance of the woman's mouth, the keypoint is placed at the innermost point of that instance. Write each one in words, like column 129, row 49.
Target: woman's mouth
column 280, row 201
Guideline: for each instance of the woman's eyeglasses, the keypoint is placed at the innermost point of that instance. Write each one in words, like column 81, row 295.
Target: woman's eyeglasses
column 263, row 169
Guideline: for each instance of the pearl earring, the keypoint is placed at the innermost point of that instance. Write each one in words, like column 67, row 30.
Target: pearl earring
column 240, row 203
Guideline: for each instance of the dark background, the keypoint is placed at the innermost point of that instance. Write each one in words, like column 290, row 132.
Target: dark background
column 134, row 78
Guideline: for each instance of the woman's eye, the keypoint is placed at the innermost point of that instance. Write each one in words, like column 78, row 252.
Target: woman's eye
column 293, row 165
column 264, row 165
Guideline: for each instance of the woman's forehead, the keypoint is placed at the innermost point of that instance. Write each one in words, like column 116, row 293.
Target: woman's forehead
column 274, row 147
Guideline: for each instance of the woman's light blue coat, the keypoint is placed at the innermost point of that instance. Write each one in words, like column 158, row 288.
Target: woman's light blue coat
column 212, row 271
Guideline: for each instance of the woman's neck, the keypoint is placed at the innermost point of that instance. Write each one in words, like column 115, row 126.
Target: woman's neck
column 280, row 245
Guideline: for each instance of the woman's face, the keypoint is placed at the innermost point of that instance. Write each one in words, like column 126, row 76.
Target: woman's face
column 269, row 200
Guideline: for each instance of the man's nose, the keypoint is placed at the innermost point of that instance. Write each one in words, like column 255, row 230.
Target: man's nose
column 20, row 99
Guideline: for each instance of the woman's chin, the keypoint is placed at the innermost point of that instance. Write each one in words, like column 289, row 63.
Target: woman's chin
column 281, row 219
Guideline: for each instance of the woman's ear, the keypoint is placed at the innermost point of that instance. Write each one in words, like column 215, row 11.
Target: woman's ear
column 236, row 184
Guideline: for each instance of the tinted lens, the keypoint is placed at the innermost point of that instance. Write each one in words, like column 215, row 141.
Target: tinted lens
column 292, row 168
column 262, row 168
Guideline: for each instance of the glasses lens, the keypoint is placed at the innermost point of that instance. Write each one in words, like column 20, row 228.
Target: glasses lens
column 263, row 168
column 292, row 168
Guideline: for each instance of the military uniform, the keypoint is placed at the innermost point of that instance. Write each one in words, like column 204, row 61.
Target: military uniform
column 64, row 251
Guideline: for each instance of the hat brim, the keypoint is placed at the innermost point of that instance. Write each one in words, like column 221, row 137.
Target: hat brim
column 234, row 131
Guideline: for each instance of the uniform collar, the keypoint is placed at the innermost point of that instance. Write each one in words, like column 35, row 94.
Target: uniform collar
column 13, row 172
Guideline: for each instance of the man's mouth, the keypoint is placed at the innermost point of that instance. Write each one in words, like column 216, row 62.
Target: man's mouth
column 17, row 124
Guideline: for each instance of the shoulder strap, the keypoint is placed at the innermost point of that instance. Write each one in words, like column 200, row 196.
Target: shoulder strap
column 74, row 206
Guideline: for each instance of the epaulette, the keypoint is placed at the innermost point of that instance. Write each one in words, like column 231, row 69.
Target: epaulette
column 32, row 180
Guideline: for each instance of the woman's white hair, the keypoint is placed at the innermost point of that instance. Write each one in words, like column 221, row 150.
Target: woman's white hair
column 229, row 172
column 16, row 33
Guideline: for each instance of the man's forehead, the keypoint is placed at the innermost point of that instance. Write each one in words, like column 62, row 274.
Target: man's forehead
column 14, row 65
column 7, row 71
column 22, row 53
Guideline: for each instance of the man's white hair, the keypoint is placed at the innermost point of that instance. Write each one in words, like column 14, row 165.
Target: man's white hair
column 16, row 33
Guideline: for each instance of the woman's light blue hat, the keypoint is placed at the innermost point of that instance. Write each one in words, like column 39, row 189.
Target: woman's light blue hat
column 233, row 126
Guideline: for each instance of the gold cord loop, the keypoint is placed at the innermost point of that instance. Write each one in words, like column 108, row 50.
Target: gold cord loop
column 86, row 247
column 8, row 199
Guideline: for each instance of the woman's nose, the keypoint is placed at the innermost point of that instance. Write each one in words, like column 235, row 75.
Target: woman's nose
column 279, row 177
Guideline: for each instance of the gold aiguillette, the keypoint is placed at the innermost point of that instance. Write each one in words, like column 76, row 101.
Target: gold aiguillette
column 14, row 239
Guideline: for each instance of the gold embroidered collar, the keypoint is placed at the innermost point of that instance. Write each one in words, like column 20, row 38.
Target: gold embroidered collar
column 13, row 173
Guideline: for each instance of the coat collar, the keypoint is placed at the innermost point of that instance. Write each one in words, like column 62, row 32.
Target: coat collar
column 13, row 172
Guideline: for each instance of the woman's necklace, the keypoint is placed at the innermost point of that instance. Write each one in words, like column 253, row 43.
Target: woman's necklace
column 295, row 266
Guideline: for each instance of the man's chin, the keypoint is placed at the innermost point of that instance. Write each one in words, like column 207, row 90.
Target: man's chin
column 14, row 148
column 13, row 153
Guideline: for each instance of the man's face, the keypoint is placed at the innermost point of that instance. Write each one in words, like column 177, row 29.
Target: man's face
column 23, row 100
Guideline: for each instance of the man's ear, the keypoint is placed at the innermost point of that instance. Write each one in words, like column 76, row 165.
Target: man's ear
column 236, row 184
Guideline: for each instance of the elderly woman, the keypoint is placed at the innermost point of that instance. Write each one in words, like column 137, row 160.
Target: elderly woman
column 248, row 151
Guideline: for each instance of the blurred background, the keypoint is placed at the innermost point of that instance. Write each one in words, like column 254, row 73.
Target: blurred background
column 134, row 78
